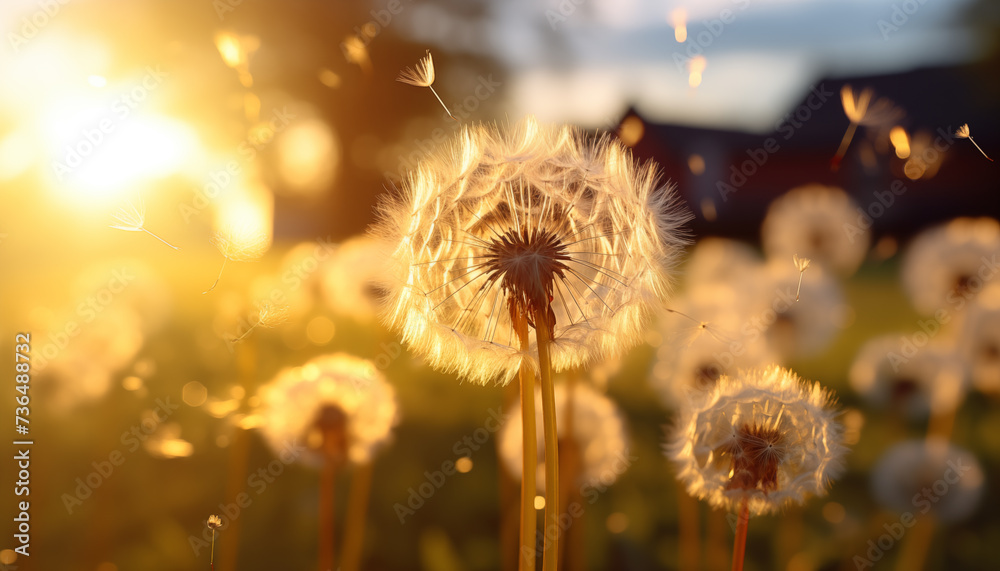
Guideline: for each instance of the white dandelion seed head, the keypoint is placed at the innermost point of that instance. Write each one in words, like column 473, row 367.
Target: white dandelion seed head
column 945, row 477
column 535, row 217
column 979, row 341
column 296, row 399
column 913, row 380
column 762, row 435
column 692, row 357
column 350, row 279
column 944, row 266
column 795, row 328
column 816, row 222
column 720, row 260
column 599, row 435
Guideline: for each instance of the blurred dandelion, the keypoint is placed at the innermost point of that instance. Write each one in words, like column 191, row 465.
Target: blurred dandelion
column 423, row 76
column 598, row 432
column 267, row 315
column 980, row 342
column 801, row 264
column 536, row 227
column 348, row 279
column 861, row 111
column 243, row 244
column 133, row 219
column 888, row 376
column 214, row 523
column 343, row 409
column 910, row 474
column 756, row 442
column 963, row 133
column 943, row 265
column 817, row 222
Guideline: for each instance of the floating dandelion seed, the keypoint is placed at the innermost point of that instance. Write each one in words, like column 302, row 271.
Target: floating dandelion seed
column 239, row 245
column 756, row 442
column 963, row 133
column 423, row 76
column 801, row 264
column 132, row 219
column 214, row 523
column 268, row 315
column 536, row 227
column 861, row 111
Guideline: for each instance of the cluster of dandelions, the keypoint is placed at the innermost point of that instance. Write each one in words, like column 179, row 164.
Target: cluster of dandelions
column 761, row 439
column 539, row 216
column 541, row 227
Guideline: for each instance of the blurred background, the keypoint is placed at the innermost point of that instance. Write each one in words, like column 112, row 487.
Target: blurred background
column 148, row 147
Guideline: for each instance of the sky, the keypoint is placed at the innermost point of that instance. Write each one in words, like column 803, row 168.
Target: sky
column 586, row 61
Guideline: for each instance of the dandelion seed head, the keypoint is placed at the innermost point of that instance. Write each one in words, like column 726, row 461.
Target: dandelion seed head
column 241, row 243
column 810, row 221
column 686, row 367
column 963, row 132
column 933, row 379
column 860, row 109
column 911, row 468
column 942, row 264
column 422, row 76
column 598, row 435
column 762, row 435
column 980, row 342
column 214, row 522
column 130, row 218
column 317, row 394
column 349, row 280
column 801, row 264
column 537, row 218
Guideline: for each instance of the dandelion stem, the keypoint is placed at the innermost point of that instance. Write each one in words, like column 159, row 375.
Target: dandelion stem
column 354, row 524
column 529, row 519
column 160, row 239
column 687, row 508
column 798, row 289
column 219, row 277
column 211, row 557
column 328, row 480
column 550, row 555
column 740, row 545
column 980, row 150
column 442, row 103
column 844, row 143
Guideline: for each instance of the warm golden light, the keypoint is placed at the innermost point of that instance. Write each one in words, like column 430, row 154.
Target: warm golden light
column 631, row 130
column 679, row 19
column 97, row 81
column 464, row 465
column 697, row 164
column 708, row 209
column 695, row 67
column 308, row 156
column 901, row 141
